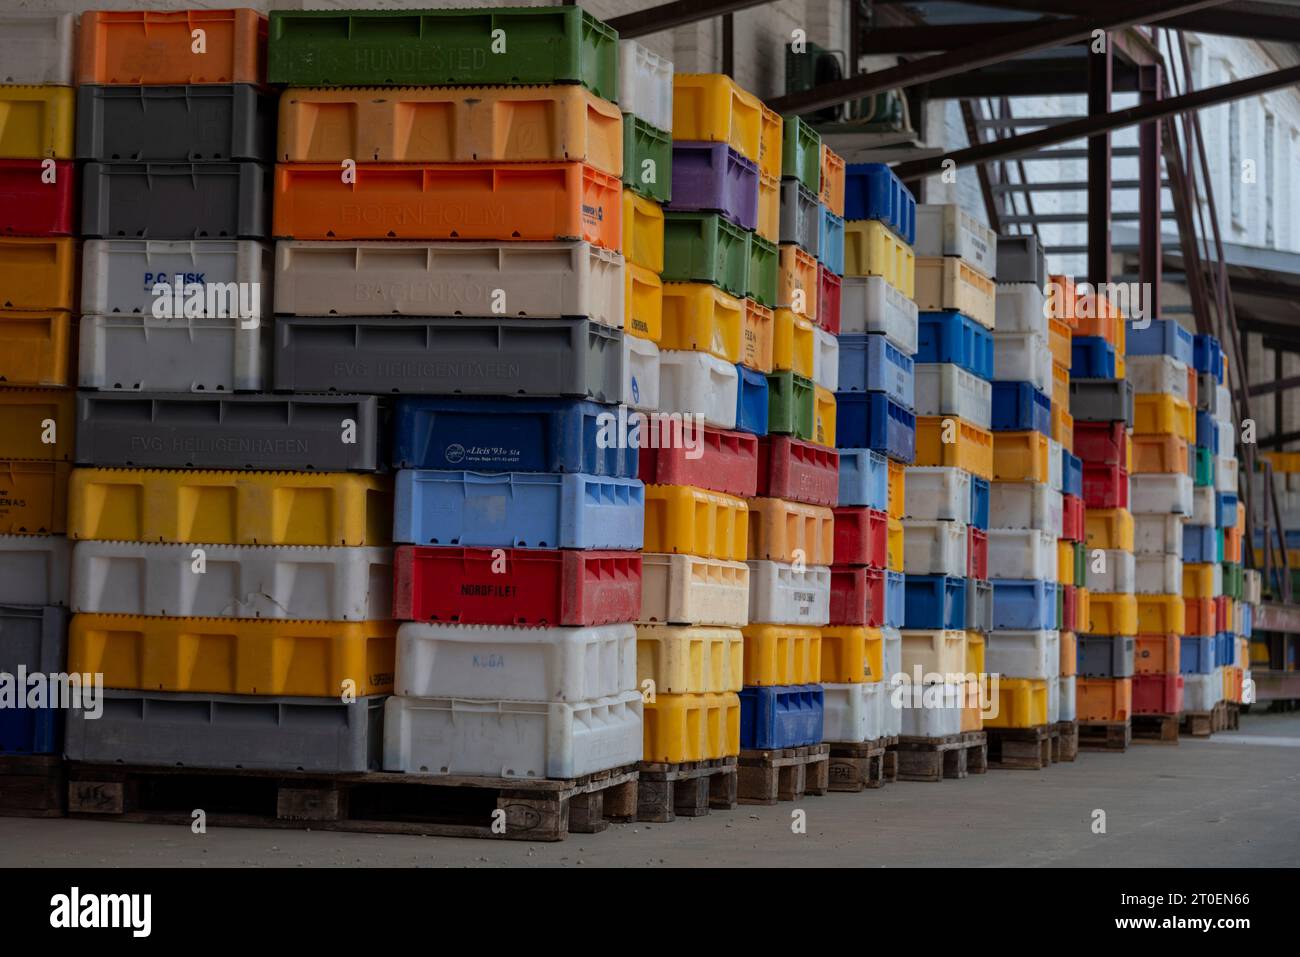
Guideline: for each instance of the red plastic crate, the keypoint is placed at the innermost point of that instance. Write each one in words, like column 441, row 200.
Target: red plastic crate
column 728, row 463
column 534, row 586
column 31, row 207
column 857, row 596
column 798, row 471
column 1105, row 443
column 861, row 537
column 1157, row 694
column 1104, row 486
column 1073, row 527
column 828, row 300
column 1069, row 607
column 1222, row 614
column 977, row 553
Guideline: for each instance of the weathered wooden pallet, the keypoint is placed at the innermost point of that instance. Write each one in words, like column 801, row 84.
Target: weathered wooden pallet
column 689, row 789
column 1024, row 749
column 783, row 774
column 951, row 756
column 1065, row 743
column 1155, row 728
column 1105, row 735
column 1197, row 724
column 33, row 785
column 1231, row 715
column 857, row 767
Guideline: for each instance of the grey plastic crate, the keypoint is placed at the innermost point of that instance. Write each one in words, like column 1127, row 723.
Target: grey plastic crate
column 34, row 636
column 230, row 731
column 1105, row 656
column 979, row 605
column 34, row 569
column 800, row 217
column 1021, row 259
column 119, row 275
column 176, row 200
column 1101, row 400
column 36, row 48
column 197, row 122
column 271, row 432
column 448, row 356
column 144, row 354
column 1207, row 392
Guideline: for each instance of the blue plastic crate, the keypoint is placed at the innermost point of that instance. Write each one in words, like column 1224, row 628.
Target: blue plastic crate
column 1225, row 509
column 864, row 478
column 979, row 502
column 872, row 191
column 1207, row 432
column 751, row 401
column 1197, row 654
column 1019, row 407
column 934, row 602
column 781, row 716
column 871, row 363
column 895, row 599
column 1207, row 355
column 518, row 509
column 1091, row 357
column 830, row 241
column 1291, row 536
column 872, row 420
column 1160, row 337
column 1247, row 620
column 1071, row 474
column 1198, row 543
column 1023, row 604
column 508, row 435
column 31, row 730
column 952, row 337
column 1225, row 648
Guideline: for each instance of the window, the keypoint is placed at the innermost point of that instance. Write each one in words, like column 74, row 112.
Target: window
column 1234, row 162
column 1271, row 197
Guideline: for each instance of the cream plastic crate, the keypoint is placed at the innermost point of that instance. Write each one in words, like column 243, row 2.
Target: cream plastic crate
column 640, row 374
column 1162, row 374
column 934, row 653
column 854, row 713
column 934, row 547
column 238, row 581
column 945, row 229
column 1023, row 654
column 1025, row 505
column 944, row 388
column 1022, row 553
column 645, row 85
column 698, row 382
column 1157, row 574
column 1223, row 404
column 826, row 359
column 937, row 493
column 515, row 664
column 36, row 48
column 945, row 282
column 1202, row 511
column 513, row 739
column 870, row 304
column 1158, row 535
column 687, row 589
column 891, row 654
column 34, row 569
column 1069, row 697
column 1225, row 474
column 1162, row 493
column 689, row 659
column 1251, row 585
column 779, row 595
column 1202, row 692
column 1117, row 574
column 1022, row 357
column 1021, row 307
column 1227, row 438
column 1055, row 466
column 1053, row 699
column 917, row 720
column 1238, row 626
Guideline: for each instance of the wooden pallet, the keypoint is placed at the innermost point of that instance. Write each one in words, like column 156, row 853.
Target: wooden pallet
column 784, row 774
column 1197, row 724
column 689, row 789
column 33, row 785
column 891, row 759
column 933, row 759
column 1231, row 715
column 1155, row 728
column 1105, row 735
column 1066, row 741
column 857, row 767
column 1024, row 749
column 375, row 802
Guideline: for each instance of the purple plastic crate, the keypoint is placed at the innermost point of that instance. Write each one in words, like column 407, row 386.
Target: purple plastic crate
column 712, row 177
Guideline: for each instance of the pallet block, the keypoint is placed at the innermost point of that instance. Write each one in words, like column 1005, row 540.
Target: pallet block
column 785, row 774
column 1155, row 728
column 951, row 756
column 688, row 789
column 33, row 785
column 1105, row 735
column 1026, row 749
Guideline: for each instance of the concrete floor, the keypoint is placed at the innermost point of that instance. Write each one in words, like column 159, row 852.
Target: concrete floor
column 1233, row 800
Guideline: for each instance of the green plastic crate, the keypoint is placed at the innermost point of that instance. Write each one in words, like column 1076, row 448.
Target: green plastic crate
column 764, row 263
column 1060, row 606
column 1219, row 548
column 790, row 405
column 641, row 143
column 705, row 247
column 1080, row 565
column 1204, row 466
column 1232, row 580
column 801, row 153
column 441, row 47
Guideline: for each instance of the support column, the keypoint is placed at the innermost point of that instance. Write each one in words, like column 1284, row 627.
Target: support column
column 1150, row 250
column 1100, row 81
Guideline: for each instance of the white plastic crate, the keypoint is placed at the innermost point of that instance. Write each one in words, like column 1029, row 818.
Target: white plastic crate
column 945, row 229
column 869, row 304
column 1251, row 585
column 1054, row 699
column 1023, row 654
column 1022, row 553
column 138, row 353
column 1225, row 474
column 826, row 359
column 1202, row 511
column 698, row 382
column 779, row 595
column 1022, row 357
column 945, row 388
column 1223, row 404
column 119, row 275
column 933, row 652
column 512, row 739
column 1021, row 307
column 1158, row 535
column 34, row 569
column 688, row 589
column 919, row 721
column 645, row 85
column 1157, row 574
column 937, row 493
column 1055, row 466
column 1161, row 374
column 934, row 547
column 36, row 48
column 1161, row 493
column 1202, row 692
column 641, row 374
column 1115, row 574
column 1025, row 505
column 854, row 713
column 1069, row 698
column 1227, row 438
column 891, row 654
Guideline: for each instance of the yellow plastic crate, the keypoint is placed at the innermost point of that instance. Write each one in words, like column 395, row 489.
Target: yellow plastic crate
column 949, row 282
column 37, row 424
column 823, row 417
column 970, row 448
column 934, row 652
column 972, row 715
column 1113, row 615
column 771, row 130
column 689, row 659
column 1059, row 341
column 1198, row 580
column 691, row 727
column 1065, row 562
column 976, row 647
column 782, row 655
column 643, row 303
column 36, row 348
column 1020, row 456
column 1082, row 609
column 1156, row 414
column 1108, row 528
column 769, row 207
column 693, row 521
column 701, row 317
column 1121, row 367
column 1063, row 427
column 779, row 529
column 38, row 272
column 897, row 489
column 1060, row 385
column 1022, row 703
column 793, row 342
column 760, row 328
column 894, row 544
column 230, row 508
column 34, row 497
column 1283, row 461
column 1159, row 615
column 253, row 656
column 852, row 654
column 36, row 122
column 797, row 282
column 643, row 232
column 713, row 107
column 870, row 249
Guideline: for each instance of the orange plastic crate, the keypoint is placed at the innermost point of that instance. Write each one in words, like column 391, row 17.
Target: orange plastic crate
column 1157, row 654
column 38, row 273
column 1069, row 647
column 1103, row 699
column 1159, row 453
column 1198, row 616
column 35, row 348
column 797, row 278
column 149, row 47
column 832, row 191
